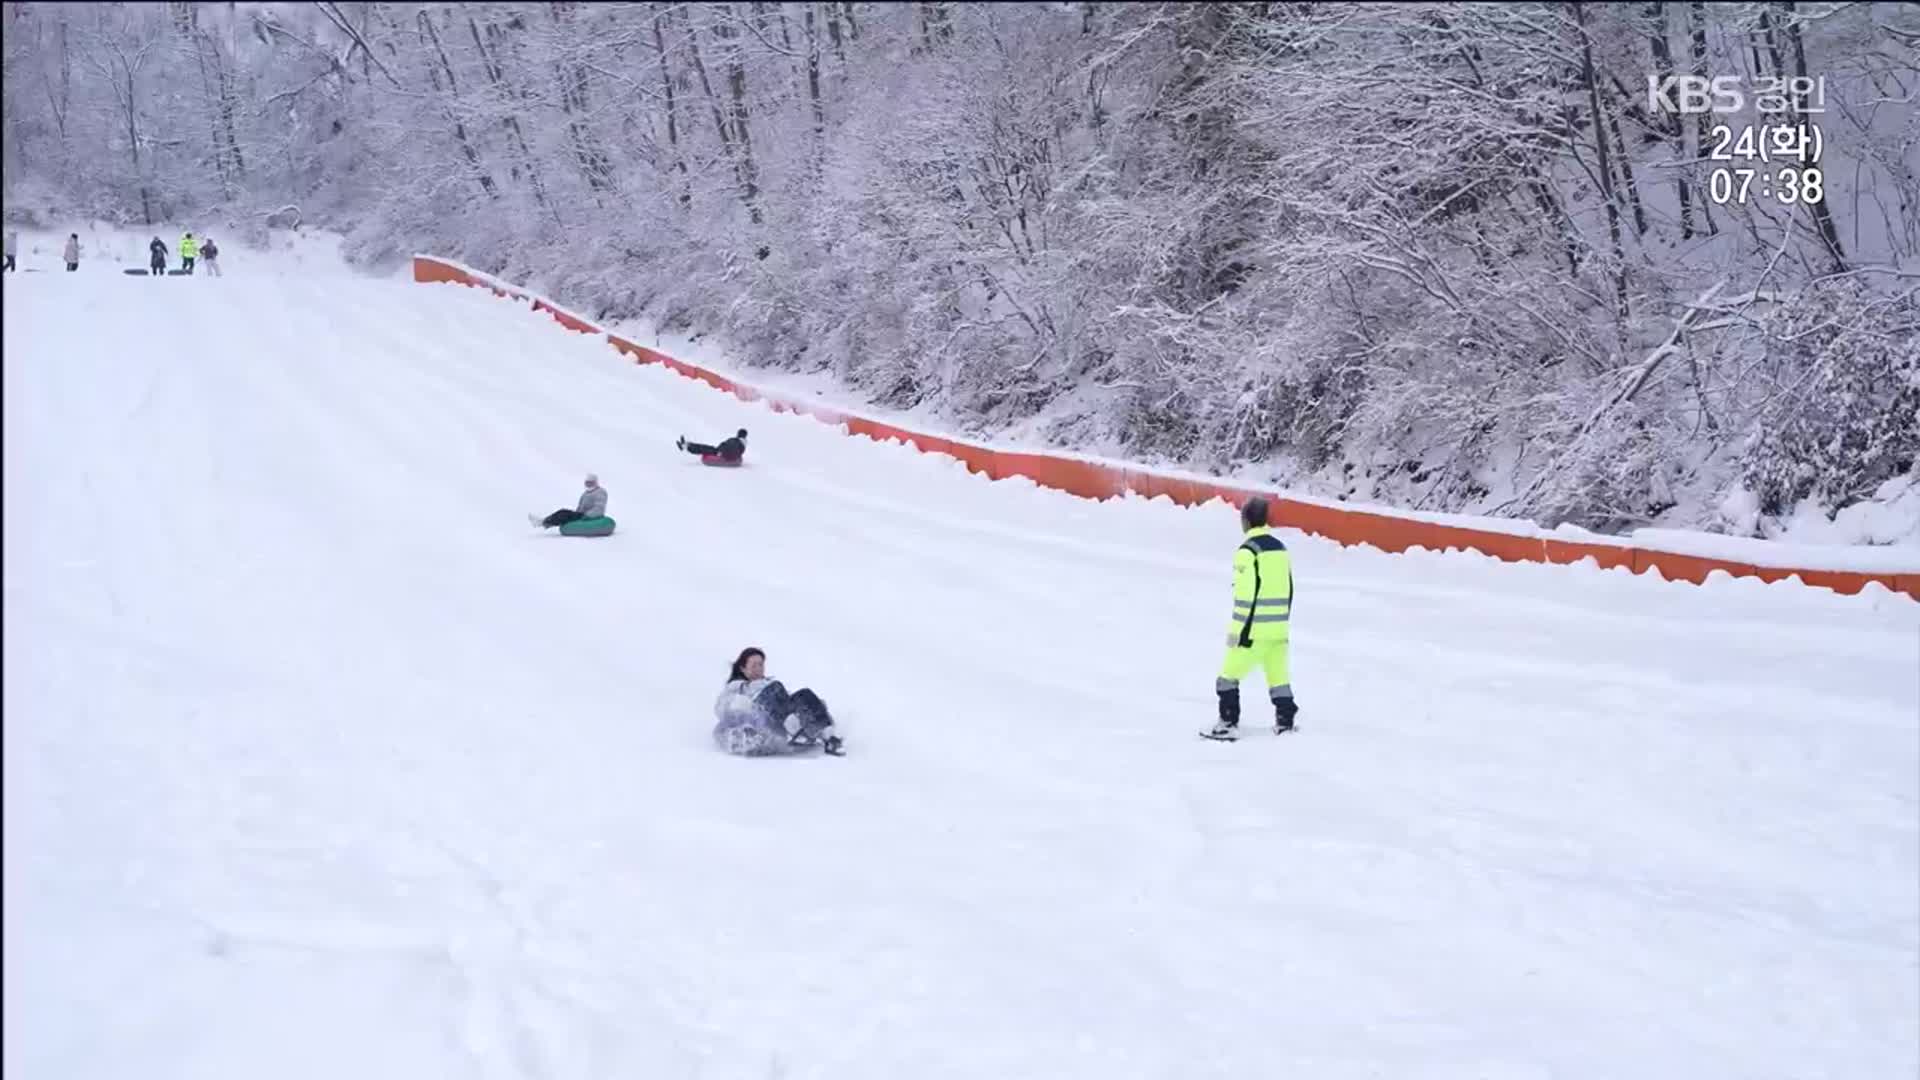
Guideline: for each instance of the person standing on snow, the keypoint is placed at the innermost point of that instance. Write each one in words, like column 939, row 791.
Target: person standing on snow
column 72, row 252
column 729, row 449
column 1262, row 608
column 593, row 503
column 13, row 247
column 189, row 250
column 157, row 258
column 210, row 251
column 753, row 711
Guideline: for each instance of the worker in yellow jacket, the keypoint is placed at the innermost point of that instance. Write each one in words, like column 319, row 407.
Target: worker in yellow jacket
column 1262, row 606
column 189, row 251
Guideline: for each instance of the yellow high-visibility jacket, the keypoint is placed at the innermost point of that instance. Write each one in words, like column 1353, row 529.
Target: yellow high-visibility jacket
column 1262, row 588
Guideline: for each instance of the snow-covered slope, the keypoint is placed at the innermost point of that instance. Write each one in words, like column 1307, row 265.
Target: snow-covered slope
column 319, row 762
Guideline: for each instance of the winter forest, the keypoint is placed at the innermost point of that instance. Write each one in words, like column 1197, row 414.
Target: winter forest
column 1445, row 256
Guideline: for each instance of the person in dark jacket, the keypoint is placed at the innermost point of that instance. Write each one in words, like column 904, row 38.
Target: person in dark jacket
column 593, row 503
column 729, row 449
column 210, row 254
column 757, row 716
column 157, row 257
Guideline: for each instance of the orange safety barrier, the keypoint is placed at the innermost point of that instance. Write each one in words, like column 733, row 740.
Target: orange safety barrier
column 571, row 322
column 1094, row 480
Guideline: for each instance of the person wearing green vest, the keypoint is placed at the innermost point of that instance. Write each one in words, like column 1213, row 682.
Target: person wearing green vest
column 189, row 251
column 1262, row 606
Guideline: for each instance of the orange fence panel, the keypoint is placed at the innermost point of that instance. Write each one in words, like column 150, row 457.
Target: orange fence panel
column 1179, row 490
column 573, row 323
column 1607, row 556
column 428, row 271
column 1676, row 567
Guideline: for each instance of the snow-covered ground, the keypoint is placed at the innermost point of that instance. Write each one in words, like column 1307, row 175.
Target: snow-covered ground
column 319, row 762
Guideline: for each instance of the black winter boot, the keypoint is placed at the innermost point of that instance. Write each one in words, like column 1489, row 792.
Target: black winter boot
column 1229, row 721
column 1284, row 711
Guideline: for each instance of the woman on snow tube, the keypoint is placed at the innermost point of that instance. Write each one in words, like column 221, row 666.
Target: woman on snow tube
column 754, row 710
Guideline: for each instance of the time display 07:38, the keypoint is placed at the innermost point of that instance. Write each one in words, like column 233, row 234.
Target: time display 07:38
column 1760, row 147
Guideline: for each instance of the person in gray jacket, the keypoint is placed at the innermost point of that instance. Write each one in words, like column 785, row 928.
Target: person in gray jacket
column 72, row 252
column 593, row 503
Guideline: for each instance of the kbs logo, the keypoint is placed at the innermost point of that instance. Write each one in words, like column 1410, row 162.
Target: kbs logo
column 1691, row 95
column 1688, row 95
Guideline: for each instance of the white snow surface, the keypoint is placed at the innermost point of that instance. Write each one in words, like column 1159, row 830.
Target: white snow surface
column 319, row 762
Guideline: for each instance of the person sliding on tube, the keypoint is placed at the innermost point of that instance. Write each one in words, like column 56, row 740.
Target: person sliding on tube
column 729, row 449
column 754, row 712
column 593, row 503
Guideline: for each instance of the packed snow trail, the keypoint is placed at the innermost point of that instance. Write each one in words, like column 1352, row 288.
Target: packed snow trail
column 320, row 762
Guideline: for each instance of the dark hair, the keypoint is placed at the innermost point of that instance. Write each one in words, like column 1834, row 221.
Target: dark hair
column 740, row 662
column 1253, row 512
column 742, row 433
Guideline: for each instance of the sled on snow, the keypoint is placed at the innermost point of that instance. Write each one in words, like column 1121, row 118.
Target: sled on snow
column 721, row 462
column 593, row 526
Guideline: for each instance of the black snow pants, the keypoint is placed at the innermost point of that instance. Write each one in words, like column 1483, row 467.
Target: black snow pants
column 803, row 703
column 561, row 517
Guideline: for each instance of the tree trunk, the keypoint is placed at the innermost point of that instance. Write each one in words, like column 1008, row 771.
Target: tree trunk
column 496, row 75
column 673, row 116
column 1702, row 137
column 227, row 101
column 1670, row 124
column 133, row 141
column 813, row 81
column 1606, row 163
column 459, row 128
column 1822, row 217
column 833, row 35
column 737, row 113
column 1626, row 175
column 213, row 120
column 742, row 168
column 572, row 77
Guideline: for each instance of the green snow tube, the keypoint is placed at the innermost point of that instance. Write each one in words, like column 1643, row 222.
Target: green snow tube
column 593, row 526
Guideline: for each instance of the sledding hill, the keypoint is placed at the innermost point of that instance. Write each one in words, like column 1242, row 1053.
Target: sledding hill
column 320, row 762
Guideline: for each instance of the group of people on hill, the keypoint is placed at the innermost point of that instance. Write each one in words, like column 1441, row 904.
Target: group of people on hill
column 756, row 716
column 192, row 252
